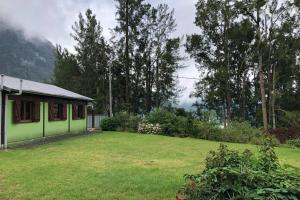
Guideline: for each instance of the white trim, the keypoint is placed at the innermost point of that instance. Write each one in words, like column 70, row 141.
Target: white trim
column 5, row 121
column 0, row 117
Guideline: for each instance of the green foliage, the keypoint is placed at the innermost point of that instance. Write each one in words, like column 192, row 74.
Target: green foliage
column 109, row 124
column 208, row 131
column 171, row 124
column 294, row 143
column 122, row 121
column 288, row 118
column 92, row 55
column 241, row 132
column 231, row 175
column 146, row 56
column 268, row 160
column 66, row 70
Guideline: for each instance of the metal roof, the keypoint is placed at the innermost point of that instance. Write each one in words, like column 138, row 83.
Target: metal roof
column 32, row 87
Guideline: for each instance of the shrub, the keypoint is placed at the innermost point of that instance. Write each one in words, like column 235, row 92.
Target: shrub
column 121, row 122
column 133, row 123
column 171, row 124
column 109, row 124
column 231, row 175
column 285, row 134
column 208, row 131
column 241, row 132
column 147, row 128
column 294, row 143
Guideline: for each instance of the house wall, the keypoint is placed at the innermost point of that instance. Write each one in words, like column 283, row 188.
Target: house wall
column 55, row 127
column 17, row 132
column 77, row 125
column 22, row 131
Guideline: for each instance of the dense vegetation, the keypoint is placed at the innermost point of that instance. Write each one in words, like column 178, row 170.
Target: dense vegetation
column 231, row 175
column 177, row 122
column 141, row 58
column 23, row 57
column 249, row 53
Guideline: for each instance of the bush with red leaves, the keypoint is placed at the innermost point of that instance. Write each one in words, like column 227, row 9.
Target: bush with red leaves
column 285, row 134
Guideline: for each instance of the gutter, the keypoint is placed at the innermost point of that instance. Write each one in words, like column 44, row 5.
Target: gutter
column 2, row 82
column 20, row 90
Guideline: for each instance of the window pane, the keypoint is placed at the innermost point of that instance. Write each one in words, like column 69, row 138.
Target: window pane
column 23, row 110
column 57, row 111
column 28, row 110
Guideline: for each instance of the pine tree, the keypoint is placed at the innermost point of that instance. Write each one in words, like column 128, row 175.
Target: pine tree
column 92, row 54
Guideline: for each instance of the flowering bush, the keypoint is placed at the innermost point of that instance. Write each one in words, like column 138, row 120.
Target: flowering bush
column 147, row 128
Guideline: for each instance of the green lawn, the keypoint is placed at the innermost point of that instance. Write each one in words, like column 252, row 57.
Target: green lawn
column 109, row 166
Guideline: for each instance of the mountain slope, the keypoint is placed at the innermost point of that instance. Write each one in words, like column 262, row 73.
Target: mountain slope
column 31, row 59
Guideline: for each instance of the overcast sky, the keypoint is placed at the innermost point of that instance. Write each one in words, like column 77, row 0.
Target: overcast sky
column 52, row 19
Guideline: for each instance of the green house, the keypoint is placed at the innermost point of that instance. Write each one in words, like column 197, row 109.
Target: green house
column 31, row 110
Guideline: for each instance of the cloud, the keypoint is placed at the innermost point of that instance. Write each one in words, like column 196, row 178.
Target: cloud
column 53, row 19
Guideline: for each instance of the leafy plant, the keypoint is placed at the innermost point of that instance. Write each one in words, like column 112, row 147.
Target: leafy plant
column 294, row 143
column 109, row 124
column 232, row 175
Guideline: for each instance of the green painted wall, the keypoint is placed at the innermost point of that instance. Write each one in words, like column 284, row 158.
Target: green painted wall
column 77, row 125
column 22, row 131
column 26, row 131
column 55, row 127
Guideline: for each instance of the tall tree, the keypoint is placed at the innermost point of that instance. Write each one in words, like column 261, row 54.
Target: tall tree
column 66, row 70
column 129, row 15
column 92, row 56
column 211, row 49
column 152, row 53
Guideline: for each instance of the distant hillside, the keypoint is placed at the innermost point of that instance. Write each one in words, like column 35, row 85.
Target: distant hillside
column 25, row 58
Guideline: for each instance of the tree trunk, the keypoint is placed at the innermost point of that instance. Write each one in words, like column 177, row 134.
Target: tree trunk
column 261, row 77
column 273, row 98
column 148, row 86
column 262, row 91
column 227, row 63
column 244, row 95
column 127, row 56
column 157, row 100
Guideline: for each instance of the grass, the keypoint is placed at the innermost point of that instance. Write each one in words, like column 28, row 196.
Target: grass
column 109, row 166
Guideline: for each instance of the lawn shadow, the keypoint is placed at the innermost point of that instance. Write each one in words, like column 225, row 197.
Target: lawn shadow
column 34, row 143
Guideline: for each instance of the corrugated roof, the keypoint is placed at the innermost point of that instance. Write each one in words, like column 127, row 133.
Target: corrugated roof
column 32, row 87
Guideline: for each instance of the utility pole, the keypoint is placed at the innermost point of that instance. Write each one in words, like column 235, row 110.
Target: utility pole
column 110, row 91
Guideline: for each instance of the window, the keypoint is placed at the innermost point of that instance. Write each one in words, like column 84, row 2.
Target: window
column 78, row 111
column 57, row 111
column 26, row 111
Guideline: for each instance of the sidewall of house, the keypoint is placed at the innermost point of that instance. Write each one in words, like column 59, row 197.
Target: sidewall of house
column 18, row 132
column 22, row 131
column 55, row 127
column 78, row 125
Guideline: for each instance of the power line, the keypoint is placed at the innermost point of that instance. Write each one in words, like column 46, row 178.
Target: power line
column 185, row 77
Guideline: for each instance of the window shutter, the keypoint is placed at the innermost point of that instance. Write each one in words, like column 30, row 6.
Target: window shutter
column 17, row 111
column 50, row 111
column 36, row 111
column 64, row 117
column 74, row 111
column 83, row 112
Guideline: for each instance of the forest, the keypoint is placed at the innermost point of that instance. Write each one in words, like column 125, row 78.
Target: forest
column 247, row 52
